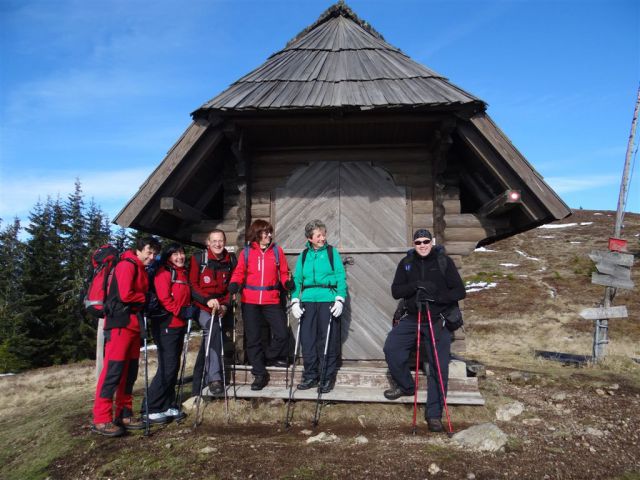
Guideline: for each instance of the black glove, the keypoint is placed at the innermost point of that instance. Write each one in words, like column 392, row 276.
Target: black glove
column 233, row 288
column 429, row 287
column 188, row 312
column 290, row 285
column 422, row 296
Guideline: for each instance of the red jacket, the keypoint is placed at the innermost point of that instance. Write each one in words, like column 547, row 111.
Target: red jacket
column 262, row 278
column 132, row 283
column 173, row 295
column 212, row 280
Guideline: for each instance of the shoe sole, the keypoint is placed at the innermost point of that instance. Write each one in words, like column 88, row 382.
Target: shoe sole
column 107, row 434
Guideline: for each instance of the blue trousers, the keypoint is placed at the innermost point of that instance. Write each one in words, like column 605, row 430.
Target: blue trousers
column 401, row 341
column 313, row 335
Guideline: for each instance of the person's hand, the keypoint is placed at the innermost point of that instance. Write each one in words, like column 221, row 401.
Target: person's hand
column 233, row 288
column 338, row 305
column 296, row 309
column 423, row 297
column 290, row 284
column 213, row 304
column 429, row 288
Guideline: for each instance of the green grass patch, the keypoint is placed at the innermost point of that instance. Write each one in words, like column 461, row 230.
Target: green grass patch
column 28, row 445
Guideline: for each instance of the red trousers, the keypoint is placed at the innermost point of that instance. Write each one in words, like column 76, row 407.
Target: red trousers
column 118, row 375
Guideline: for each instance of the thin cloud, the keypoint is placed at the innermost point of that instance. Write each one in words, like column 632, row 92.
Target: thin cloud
column 110, row 190
column 578, row 184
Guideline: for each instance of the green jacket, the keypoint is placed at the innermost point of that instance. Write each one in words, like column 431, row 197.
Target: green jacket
column 318, row 271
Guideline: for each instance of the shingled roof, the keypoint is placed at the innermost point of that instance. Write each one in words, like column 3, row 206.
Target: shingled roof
column 339, row 62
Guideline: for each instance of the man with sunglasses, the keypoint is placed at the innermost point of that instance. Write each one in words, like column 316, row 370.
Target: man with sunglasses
column 425, row 278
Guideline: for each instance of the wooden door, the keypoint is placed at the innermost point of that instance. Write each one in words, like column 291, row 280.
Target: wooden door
column 365, row 214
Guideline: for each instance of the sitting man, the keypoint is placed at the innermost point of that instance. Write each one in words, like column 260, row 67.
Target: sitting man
column 427, row 279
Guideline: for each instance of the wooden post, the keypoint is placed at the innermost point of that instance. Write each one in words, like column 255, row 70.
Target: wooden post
column 624, row 185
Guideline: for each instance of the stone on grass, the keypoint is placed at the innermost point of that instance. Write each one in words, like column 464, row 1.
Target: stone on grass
column 486, row 437
column 433, row 469
column 323, row 437
column 207, row 450
column 361, row 439
column 506, row 412
column 189, row 403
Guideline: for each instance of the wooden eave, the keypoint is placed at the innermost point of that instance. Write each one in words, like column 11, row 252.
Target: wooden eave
column 193, row 147
column 510, row 170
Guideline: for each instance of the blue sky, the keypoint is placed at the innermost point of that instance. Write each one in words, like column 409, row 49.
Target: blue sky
column 100, row 90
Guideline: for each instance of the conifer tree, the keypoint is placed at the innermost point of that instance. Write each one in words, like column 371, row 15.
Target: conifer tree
column 11, row 309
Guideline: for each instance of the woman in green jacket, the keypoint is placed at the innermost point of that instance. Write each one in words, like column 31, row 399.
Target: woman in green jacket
column 318, row 298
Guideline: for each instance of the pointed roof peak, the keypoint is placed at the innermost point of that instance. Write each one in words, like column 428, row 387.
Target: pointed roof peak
column 339, row 9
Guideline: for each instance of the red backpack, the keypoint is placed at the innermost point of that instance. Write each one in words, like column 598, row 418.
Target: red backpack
column 103, row 261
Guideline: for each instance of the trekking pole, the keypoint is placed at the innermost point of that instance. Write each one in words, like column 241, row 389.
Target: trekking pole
column 147, row 424
column 235, row 352
column 287, row 424
column 286, row 373
column 185, row 348
column 205, row 369
column 415, row 391
column 323, row 369
column 435, row 354
column 223, row 370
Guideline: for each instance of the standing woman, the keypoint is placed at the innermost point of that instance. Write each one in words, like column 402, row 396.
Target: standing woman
column 319, row 295
column 168, row 330
column 262, row 269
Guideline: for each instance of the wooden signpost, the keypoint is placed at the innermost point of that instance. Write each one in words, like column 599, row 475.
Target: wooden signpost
column 613, row 272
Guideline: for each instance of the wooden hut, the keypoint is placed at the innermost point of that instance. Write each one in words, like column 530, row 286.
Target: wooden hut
column 342, row 126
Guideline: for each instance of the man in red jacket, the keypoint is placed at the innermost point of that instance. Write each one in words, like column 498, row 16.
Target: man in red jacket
column 209, row 276
column 124, row 305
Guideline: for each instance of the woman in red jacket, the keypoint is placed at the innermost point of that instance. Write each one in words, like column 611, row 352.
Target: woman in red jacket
column 168, row 330
column 262, row 269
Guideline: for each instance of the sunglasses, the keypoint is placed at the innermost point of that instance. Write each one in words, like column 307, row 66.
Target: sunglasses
column 422, row 242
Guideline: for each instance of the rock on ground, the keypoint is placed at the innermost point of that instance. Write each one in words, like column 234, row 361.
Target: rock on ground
column 506, row 412
column 486, row 437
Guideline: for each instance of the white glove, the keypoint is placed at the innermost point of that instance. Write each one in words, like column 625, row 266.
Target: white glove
column 336, row 308
column 296, row 309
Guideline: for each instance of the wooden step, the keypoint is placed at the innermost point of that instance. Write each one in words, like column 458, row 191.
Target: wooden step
column 353, row 384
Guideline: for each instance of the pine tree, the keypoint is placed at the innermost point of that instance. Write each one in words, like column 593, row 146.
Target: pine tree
column 38, row 335
column 11, row 308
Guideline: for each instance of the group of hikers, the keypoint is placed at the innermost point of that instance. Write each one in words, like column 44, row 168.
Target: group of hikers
column 425, row 280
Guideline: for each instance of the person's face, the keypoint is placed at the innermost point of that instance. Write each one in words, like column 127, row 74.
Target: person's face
column 177, row 258
column 423, row 248
column 318, row 238
column 146, row 255
column 216, row 242
column 265, row 238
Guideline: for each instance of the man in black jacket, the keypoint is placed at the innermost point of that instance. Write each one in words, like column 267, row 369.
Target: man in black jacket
column 425, row 278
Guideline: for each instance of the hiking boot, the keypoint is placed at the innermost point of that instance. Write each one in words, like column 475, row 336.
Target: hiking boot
column 175, row 414
column 216, row 388
column 108, row 429
column 396, row 392
column 307, row 384
column 131, row 423
column 260, row 382
column 159, row 418
column 327, row 385
column 435, row 425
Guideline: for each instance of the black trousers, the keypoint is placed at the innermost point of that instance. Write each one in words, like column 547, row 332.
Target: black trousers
column 162, row 394
column 254, row 316
column 401, row 340
column 313, row 336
